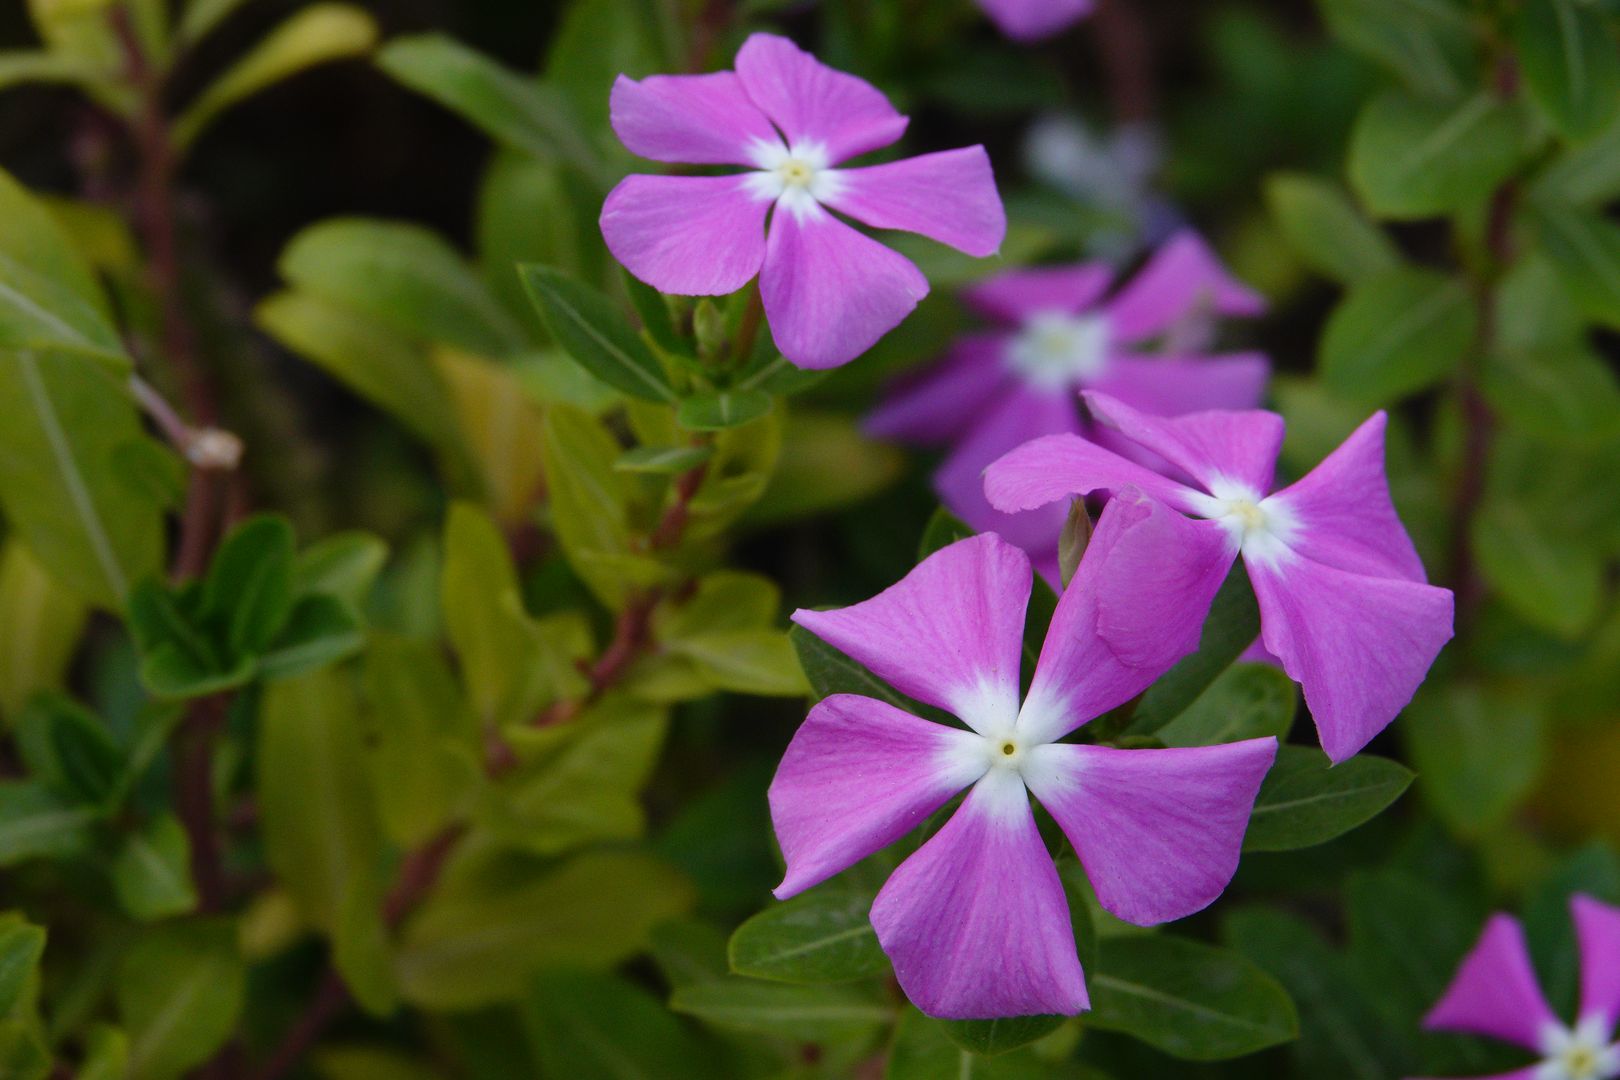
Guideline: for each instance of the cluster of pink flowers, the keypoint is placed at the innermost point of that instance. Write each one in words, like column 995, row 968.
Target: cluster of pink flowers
column 1080, row 390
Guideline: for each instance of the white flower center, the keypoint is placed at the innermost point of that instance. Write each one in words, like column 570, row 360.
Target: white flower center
column 1581, row 1053
column 1005, row 750
column 796, row 178
column 1055, row 350
column 1261, row 527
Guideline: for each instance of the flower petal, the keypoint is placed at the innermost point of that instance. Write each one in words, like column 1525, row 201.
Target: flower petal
column 975, row 921
column 1597, row 928
column 1060, row 467
column 949, row 633
column 1014, row 295
column 1181, row 278
column 858, row 775
column 1019, row 415
column 1345, row 516
column 1215, row 447
column 1031, row 20
column 692, row 235
column 829, row 292
column 691, row 119
column 949, row 196
column 1158, row 831
column 813, row 103
column 1136, row 606
column 1171, row 386
column 940, row 402
column 1359, row 646
column 1495, row 992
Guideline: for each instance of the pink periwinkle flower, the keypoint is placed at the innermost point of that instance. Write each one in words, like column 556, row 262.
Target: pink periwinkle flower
column 1031, row 20
column 975, row 921
column 829, row 292
column 1495, row 994
column 1061, row 332
column 1344, row 603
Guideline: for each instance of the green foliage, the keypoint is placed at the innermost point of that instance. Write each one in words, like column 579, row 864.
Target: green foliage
column 1396, row 333
column 1412, row 158
column 1307, row 800
column 1193, row 1001
column 822, row 936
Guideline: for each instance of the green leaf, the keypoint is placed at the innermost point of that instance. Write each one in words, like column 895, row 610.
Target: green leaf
column 1247, row 701
column 588, row 498
column 689, row 951
column 1551, row 577
column 1395, row 334
column 1586, row 175
column 88, row 762
column 1306, row 800
column 62, row 417
column 724, row 409
column 923, row 1050
column 18, row 66
column 1479, row 754
column 589, row 1026
column 1585, row 247
column 943, row 529
column 510, row 108
column 106, row 1055
column 201, row 16
column 599, row 40
column 589, row 789
column 593, row 331
column 23, row 1055
column 380, row 365
column 503, row 659
column 759, row 661
column 152, row 871
column 1326, row 231
column 405, row 277
column 414, row 720
column 44, row 624
column 21, row 946
column 990, row 1038
column 1341, row 1034
column 319, row 34
column 320, row 831
column 249, row 588
column 832, row 1014
column 826, row 463
column 49, row 298
column 321, row 630
column 36, row 823
column 821, row 936
column 344, row 565
column 1415, row 158
column 1232, row 626
column 481, row 937
column 1427, row 43
column 361, row 950
column 1192, row 1001
column 1566, row 395
column 663, row 460
column 1567, row 55
column 179, row 990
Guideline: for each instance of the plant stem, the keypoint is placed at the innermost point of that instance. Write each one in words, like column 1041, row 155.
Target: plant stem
column 194, row 797
column 1126, row 53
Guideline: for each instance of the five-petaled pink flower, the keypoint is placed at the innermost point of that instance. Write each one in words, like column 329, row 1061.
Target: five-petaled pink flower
column 1344, row 602
column 829, row 292
column 1495, row 994
column 1031, row 20
column 975, row 920
column 998, row 389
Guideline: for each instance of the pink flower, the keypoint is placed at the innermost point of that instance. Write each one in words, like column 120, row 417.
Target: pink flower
column 975, row 921
column 1495, row 994
column 1031, row 20
column 998, row 389
column 1344, row 603
column 829, row 292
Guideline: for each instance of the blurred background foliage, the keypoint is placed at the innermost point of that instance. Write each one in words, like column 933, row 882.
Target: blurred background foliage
column 450, row 761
